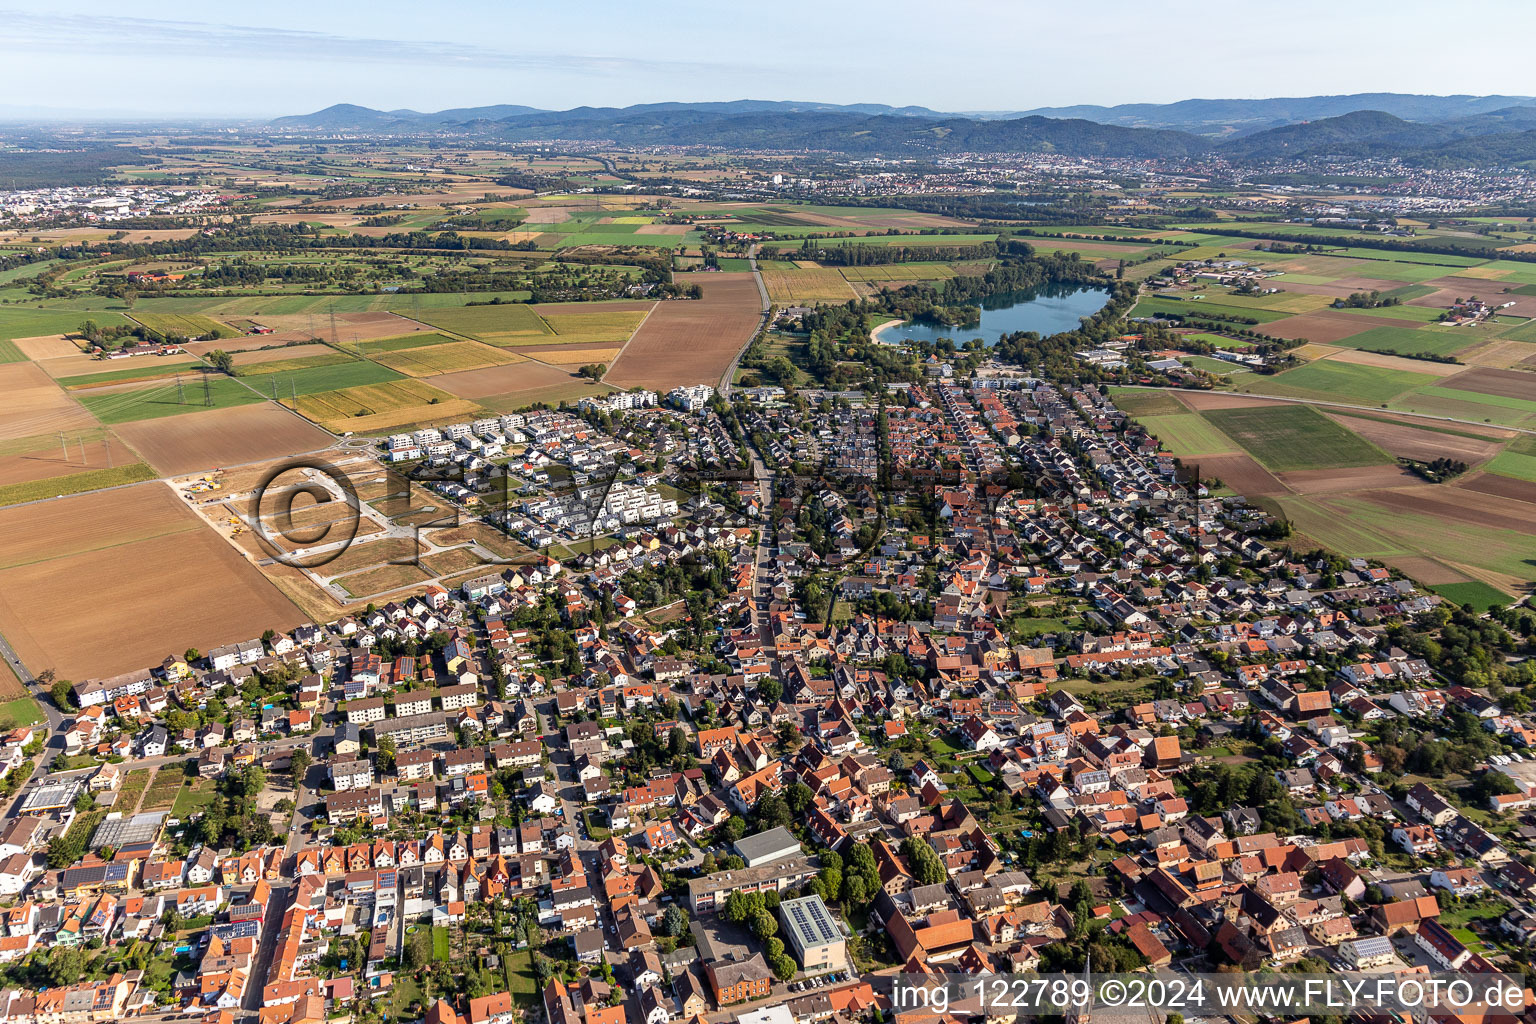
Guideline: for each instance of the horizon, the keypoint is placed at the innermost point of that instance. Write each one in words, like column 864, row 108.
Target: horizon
column 256, row 66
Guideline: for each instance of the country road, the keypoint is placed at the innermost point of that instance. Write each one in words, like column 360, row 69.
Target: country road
column 762, row 291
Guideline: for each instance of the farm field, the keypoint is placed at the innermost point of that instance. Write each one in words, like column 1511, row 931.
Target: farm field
column 377, row 407
column 1294, row 437
column 117, row 540
column 1442, row 342
column 182, row 325
column 34, row 404
column 615, row 326
column 214, row 438
column 692, row 342
column 126, row 404
column 315, row 379
column 142, row 369
column 1189, row 433
column 430, row 360
column 1333, row 381
column 501, row 324
column 791, row 285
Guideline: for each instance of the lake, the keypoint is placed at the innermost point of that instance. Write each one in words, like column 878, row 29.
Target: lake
column 1048, row 309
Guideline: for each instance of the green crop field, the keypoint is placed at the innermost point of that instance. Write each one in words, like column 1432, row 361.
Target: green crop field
column 316, row 379
column 1339, row 382
column 592, row 328
column 163, row 399
column 1188, row 433
column 145, row 368
column 16, row 322
column 1421, row 314
column 428, row 360
column 1406, row 340
column 900, row 272
column 1204, row 308
column 1294, row 437
column 1514, row 464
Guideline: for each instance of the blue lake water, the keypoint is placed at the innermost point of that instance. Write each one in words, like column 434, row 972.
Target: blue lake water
column 1048, row 309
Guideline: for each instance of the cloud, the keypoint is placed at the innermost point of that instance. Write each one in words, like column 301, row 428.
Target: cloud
column 182, row 40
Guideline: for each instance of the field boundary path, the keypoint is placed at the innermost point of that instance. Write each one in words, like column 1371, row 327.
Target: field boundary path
column 762, row 291
column 1333, row 405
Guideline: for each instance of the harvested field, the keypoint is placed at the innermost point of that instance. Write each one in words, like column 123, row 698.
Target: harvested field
column 1501, row 355
column 375, row 407
column 1363, row 358
column 431, row 360
column 148, row 558
column 501, row 324
column 791, row 285
column 1240, row 473
column 662, row 229
column 596, row 328
column 43, row 458
column 1501, row 486
column 1503, row 383
column 1202, row 400
column 1147, row 401
column 1428, row 571
column 222, row 437
column 287, row 353
column 1326, row 481
column 572, row 355
column 1459, row 505
column 501, row 380
column 49, row 346
column 1326, row 328
column 692, row 342
column 552, row 311
column 348, row 328
column 70, row 366
column 1410, row 442
column 34, row 404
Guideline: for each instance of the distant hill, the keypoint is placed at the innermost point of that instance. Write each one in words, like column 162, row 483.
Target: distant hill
column 1233, row 116
column 1503, row 128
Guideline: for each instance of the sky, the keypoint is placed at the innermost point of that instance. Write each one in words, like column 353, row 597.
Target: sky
column 221, row 59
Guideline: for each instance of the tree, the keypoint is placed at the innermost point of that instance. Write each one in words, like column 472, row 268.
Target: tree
column 386, row 753
column 783, row 967
column 764, row 926
column 63, row 694
column 418, row 950
column 221, row 361
column 298, row 765
column 770, row 690
column 674, row 921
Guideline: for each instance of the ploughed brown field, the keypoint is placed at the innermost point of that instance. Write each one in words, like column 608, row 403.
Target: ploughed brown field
column 1503, row 383
column 1407, row 441
column 502, row 380
column 691, row 341
column 49, row 459
column 98, row 584
column 1202, row 400
column 1502, row 486
column 303, row 327
column 1240, row 473
column 31, row 403
column 1322, row 481
column 222, row 437
column 1326, row 327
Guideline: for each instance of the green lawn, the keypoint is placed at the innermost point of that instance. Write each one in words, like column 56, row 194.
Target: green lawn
column 440, row 951
column 1295, row 437
column 193, row 798
column 164, row 399
column 19, row 712
column 1203, row 308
